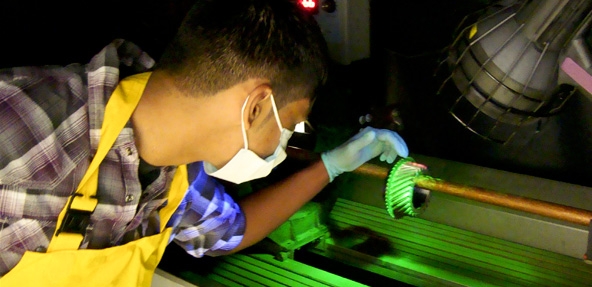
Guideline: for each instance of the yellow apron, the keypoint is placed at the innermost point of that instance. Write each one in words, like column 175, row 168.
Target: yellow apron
column 132, row 264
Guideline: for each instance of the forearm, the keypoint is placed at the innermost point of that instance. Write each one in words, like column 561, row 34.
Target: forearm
column 268, row 208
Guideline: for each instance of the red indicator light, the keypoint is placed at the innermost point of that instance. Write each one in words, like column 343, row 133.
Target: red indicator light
column 309, row 4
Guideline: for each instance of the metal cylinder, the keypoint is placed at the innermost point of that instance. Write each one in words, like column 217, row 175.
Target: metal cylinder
column 533, row 206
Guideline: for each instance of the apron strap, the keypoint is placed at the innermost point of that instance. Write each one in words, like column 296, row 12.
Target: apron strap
column 75, row 216
column 177, row 191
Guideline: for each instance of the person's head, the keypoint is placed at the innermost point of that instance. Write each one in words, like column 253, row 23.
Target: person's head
column 222, row 43
column 240, row 52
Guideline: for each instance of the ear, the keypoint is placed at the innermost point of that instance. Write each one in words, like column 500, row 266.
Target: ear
column 255, row 105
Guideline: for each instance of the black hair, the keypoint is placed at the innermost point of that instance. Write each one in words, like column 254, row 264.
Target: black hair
column 224, row 42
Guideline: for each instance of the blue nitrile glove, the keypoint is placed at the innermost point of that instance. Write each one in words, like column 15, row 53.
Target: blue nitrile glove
column 364, row 146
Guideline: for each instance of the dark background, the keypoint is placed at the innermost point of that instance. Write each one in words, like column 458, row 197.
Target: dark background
column 61, row 32
column 408, row 39
column 415, row 32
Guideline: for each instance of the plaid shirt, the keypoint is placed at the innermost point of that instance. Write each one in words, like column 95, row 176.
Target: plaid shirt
column 50, row 121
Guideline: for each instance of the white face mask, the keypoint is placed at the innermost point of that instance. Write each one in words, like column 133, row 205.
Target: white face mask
column 247, row 165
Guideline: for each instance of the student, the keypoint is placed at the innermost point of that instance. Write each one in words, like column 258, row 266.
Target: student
column 99, row 157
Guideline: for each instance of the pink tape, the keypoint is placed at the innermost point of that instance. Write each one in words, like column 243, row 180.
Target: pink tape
column 577, row 73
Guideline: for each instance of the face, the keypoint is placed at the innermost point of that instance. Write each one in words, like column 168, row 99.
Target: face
column 265, row 135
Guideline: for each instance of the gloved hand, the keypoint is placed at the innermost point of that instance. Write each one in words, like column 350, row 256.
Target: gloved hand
column 364, row 146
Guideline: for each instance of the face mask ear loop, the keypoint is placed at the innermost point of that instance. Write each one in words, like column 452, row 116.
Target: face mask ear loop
column 245, row 141
column 275, row 112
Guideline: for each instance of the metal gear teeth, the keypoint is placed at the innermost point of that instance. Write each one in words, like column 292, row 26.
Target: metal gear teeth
column 400, row 188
